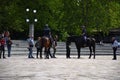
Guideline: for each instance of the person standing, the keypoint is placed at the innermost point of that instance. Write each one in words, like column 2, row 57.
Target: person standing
column 9, row 44
column 114, row 47
column 30, row 47
column 54, row 45
column 2, row 46
column 6, row 36
column 38, row 47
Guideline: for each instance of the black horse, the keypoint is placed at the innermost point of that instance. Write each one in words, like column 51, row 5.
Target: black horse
column 79, row 42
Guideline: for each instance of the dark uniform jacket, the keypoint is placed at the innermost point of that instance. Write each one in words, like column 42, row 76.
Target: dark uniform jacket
column 46, row 31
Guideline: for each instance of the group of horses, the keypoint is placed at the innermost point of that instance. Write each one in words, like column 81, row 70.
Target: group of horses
column 78, row 40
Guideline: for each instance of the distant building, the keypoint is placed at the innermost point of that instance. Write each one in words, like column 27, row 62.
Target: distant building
column 99, row 36
column 112, row 33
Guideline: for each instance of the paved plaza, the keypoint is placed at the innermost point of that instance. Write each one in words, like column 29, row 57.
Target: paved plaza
column 21, row 68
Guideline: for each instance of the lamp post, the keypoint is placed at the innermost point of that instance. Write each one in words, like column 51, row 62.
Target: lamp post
column 31, row 21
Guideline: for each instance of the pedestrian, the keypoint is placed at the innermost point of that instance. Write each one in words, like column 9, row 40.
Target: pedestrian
column 9, row 44
column 38, row 47
column 2, row 46
column 6, row 35
column 114, row 47
column 54, row 45
column 30, row 46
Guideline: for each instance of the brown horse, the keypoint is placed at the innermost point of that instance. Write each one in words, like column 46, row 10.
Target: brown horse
column 45, row 43
column 79, row 44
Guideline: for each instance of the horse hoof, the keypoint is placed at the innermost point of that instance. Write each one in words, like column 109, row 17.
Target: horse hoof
column 53, row 57
column 40, row 57
column 68, row 57
column 47, row 58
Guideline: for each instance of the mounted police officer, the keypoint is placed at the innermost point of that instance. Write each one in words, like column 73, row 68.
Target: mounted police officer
column 47, row 32
column 84, row 35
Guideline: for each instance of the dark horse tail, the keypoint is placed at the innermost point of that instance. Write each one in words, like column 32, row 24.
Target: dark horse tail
column 91, row 41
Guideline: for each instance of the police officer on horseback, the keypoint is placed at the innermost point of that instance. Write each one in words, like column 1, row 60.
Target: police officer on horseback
column 84, row 35
column 47, row 32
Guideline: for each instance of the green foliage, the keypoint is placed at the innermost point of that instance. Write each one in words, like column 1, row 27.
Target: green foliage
column 65, row 17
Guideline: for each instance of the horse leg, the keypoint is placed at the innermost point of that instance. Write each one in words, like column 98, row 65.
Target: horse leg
column 54, row 52
column 90, row 52
column 67, row 52
column 41, row 53
column 94, row 51
column 78, row 49
column 49, row 53
column 37, row 53
column 45, row 53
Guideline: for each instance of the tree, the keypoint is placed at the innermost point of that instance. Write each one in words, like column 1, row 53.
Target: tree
column 63, row 16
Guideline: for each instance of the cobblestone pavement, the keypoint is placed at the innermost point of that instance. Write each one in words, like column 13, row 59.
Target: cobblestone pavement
column 60, row 68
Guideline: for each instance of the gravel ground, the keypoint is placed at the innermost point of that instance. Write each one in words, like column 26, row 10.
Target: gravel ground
column 60, row 68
